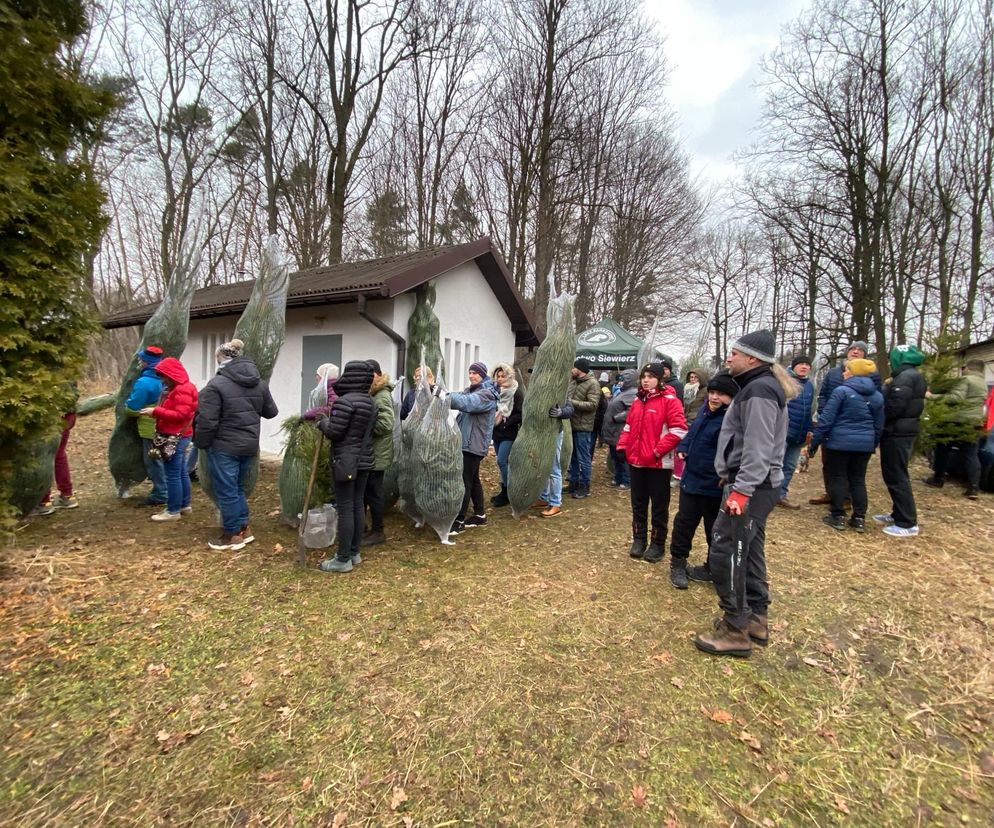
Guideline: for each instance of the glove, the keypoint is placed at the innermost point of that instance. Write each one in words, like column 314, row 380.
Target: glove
column 737, row 503
column 556, row 412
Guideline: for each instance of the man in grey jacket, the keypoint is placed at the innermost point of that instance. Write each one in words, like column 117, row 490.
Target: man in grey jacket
column 750, row 462
column 614, row 422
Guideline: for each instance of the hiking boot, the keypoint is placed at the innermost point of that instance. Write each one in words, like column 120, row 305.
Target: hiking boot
column 160, row 517
column 901, row 531
column 835, row 521
column 655, row 552
column 678, row 574
column 971, row 493
column 500, row 499
column 65, row 502
column 476, row 520
column 46, row 508
column 458, row 527
column 820, row 500
column 759, row 630
column 788, row 504
column 540, row 504
column 725, row 640
column 700, row 573
column 886, row 520
column 934, row 482
column 246, row 533
column 152, row 502
column 335, row 565
column 373, row 538
column 637, row 549
column 227, row 541
column 552, row 511
column 857, row 523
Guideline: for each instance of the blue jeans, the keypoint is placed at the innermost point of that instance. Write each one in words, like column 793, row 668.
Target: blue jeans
column 503, row 452
column 621, row 474
column 553, row 492
column 156, row 472
column 177, row 479
column 227, row 475
column 579, row 464
column 791, row 454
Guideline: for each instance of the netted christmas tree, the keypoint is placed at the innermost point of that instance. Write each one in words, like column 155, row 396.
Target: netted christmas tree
column 295, row 472
column 423, row 344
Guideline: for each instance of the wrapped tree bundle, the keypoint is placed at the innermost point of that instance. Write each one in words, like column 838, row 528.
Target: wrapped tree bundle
column 423, row 332
column 91, row 405
column 533, row 452
column 407, row 468
column 168, row 329
column 33, row 478
column 438, row 484
column 295, row 471
column 391, row 488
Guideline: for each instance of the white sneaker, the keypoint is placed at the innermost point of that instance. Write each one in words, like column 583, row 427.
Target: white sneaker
column 901, row 531
column 161, row 516
column 884, row 519
column 186, row 510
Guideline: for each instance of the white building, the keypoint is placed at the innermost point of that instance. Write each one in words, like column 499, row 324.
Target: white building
column 360, row 310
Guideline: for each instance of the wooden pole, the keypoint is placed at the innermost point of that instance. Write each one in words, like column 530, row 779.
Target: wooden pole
column 301, row 548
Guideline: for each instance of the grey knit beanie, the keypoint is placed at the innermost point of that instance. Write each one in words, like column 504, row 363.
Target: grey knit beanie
column 858, row 343
column 759, row 344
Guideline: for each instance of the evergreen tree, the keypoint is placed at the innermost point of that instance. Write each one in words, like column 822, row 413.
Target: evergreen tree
column 387, row 216
column 461, row 223
column 50, row 217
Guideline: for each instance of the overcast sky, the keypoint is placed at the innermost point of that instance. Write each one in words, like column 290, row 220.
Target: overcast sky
column 713, row 48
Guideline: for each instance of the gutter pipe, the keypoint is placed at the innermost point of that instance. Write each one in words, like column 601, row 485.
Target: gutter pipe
column 396, row 337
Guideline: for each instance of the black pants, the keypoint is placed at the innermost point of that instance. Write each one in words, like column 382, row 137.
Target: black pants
column 895, row 455
column 650, row 485
column 847, row 476
column 351, row 514
column 374, row 499
column 738, row 559
column 971, row 460
column 693, row 509
column 474, row 488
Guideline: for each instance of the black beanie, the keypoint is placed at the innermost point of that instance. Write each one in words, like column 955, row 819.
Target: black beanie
column 723, row 382
column 799, row 359
column 582, row 364
column 654, row 368
column 759, row 344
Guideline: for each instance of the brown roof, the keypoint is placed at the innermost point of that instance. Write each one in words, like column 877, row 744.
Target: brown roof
column 374, row 279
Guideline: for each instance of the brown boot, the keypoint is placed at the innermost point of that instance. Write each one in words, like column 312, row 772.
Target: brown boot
column 759, row 630
column 788, row 504
column 821, row 500
column 725, row 640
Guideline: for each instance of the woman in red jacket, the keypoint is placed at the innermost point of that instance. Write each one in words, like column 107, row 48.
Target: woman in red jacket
column 655, row 425
column 173, row 429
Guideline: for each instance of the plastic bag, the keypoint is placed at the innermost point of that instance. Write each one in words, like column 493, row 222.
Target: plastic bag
column 437, row 455
column 322, row 527
column 407, row 470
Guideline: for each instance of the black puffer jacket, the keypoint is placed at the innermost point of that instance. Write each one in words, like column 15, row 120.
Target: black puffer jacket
column 904, row 402
column 352, row 416
column 230, row 408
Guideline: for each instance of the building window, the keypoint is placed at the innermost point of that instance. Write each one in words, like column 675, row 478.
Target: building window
column 447, row 356
column 469, row 355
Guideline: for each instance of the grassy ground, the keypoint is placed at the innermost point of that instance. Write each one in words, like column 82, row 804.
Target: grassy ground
column 530, row 675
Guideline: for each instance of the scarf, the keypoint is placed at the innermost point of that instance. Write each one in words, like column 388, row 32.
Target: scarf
column 690, row 392
column 506, row 402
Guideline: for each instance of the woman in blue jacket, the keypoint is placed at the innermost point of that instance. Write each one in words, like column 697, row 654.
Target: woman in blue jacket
column 850, row 426
column 700, row 489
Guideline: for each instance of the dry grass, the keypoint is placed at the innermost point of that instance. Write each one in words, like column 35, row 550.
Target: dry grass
column 532, row 674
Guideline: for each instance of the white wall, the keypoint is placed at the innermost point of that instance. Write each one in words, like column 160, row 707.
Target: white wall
column 466, row 307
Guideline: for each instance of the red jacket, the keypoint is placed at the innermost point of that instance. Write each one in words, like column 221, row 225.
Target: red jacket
column 655, row 425
column 174, row 413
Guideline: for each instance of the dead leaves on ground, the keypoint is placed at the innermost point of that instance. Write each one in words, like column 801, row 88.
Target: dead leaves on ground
column 169, row 741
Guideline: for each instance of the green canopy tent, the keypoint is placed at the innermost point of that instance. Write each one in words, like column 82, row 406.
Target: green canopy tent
column 609, row 347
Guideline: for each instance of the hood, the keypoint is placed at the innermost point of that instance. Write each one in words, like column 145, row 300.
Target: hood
column 629, row 378
column 171, row 368
column 862, row 385
column 356, row 377
column 242, row 371
column 901, row 355
column 487, row 385
column 379, row 383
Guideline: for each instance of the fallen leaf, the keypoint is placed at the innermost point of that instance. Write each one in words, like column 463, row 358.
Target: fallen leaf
column 340, row 819
column 247, row 679
column 716, row 714
column 677, row 682
column 399, row 798
column 811, row 662
column 726, row 669
column 168, row 741
column 664, row 657
column 639, row 796
column 987, row 761
column 157, row 670
column 306, row 784
column 752, row 741
column 408, row 822
column 840, row 803
column 345, row 636
column 278, row 548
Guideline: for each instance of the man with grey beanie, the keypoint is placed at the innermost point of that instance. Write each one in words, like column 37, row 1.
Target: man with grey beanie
column 749, row 461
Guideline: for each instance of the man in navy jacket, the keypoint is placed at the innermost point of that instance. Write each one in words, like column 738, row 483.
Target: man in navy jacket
column 800, row 418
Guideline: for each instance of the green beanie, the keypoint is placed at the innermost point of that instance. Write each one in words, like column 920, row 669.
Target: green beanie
column 905, row 355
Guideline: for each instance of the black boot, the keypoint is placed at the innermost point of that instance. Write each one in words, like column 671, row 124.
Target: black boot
column 500, row 499
column 678, row 573
column 656, row 551
column 637, row 549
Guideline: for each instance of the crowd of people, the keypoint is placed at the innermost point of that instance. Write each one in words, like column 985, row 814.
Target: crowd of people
column 731, row 442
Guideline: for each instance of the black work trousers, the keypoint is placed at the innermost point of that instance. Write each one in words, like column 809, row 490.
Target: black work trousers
column 351, row 514
column 847, row 477
column 693, row 509
column 895, row 455
column 738, row 558
column 474, row 488
column 650, row 486
column 970, row 449
column 374, row 499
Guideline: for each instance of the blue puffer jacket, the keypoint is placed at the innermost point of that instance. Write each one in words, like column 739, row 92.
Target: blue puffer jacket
column 144, row 393
column 700, row 446
column 799, row 411
column 833, row 379
column 853, row 418
column 477, row 406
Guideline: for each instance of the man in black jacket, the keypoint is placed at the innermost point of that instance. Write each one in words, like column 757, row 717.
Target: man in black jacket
column 904, row 402
column 349, row 428
column 229, row 412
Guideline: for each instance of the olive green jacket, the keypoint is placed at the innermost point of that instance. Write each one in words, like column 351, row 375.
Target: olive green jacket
column 382, row 392
column 585, row 394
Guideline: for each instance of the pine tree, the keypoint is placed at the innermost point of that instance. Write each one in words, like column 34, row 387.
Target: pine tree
column 387, row 216
column 50, row 217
